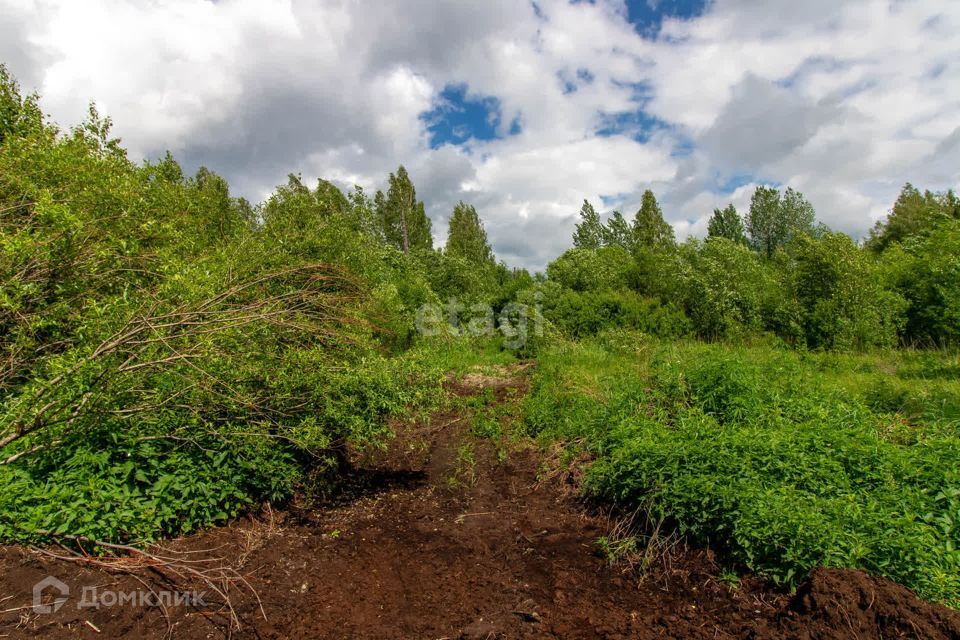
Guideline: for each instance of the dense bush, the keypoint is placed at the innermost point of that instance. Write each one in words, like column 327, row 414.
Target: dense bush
column 584, row 314
column 925, row 270
column 591, row 269
column 452, row 276
column 811, row 287
column 726, row 289
column 171, row 354
column 840, row 291
column 775, row 460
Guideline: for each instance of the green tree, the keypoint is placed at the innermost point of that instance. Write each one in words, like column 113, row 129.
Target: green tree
column 726, row 223
column 169, row 169
column 926, row 271
column 839, row 289
column 329, row 197
column 361, row 213
column 19, row 115
column 591, row 269
column 402, row 218
column 590, row 232
column 302, row 207
column 773, row 221
column 650, row 230
column 466, row 237
column 616, row 233
column 913, row 214
column 724, row 288
column 222, row 216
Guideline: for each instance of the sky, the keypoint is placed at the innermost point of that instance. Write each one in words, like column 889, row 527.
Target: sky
column 523, row 109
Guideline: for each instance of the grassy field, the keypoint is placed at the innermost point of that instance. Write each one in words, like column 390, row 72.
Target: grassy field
column 778, row 460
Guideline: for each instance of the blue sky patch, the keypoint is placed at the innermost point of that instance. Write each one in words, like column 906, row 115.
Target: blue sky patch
column 647, row 16
column 638, row 124
column 571, row 81
column 683, row 148
column 460, row 117
column 608, row 201
column 729, row 184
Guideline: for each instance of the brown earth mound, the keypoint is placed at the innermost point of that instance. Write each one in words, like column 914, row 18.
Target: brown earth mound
column 854, row 604
column 451, row 536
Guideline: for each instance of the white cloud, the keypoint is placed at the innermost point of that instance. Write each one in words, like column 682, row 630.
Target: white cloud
column 843, row 100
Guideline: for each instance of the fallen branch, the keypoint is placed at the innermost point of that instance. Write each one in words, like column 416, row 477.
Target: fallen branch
column 218, row 578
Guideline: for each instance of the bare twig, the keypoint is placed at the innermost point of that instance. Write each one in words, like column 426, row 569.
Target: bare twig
column 209, row 571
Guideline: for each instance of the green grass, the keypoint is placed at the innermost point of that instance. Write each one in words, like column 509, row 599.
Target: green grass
column 780, row 461
column 458, row 355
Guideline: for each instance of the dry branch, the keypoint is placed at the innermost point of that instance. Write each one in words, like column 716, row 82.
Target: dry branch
column 211, row 572
column 301, row 306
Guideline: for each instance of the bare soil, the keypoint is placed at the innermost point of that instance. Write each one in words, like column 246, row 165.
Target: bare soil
column 451, row 536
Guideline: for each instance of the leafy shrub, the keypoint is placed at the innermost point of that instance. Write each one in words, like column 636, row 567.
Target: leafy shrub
column 839, row 289
column 170, row 355
column 585, row 314
column 592, row 269
column 726, row 289
column 762, row 455
column 123, row 488
column 926, row 271
column 931, row 403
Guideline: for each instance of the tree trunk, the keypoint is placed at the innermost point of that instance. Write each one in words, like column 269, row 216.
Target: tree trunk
column 403, row 226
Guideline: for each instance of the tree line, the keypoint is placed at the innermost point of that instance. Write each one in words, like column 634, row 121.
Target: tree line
column 775, row 270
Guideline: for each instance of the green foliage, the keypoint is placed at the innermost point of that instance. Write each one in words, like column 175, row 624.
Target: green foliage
column 590, row 232
column 466, row 237
column 172, row 355
column 764, row 455
column 581, row 314
column 914, row 214
column 465, row 468
column 116, row 487
column 402, row 219
column 726, row 289
column 658, row 273
column 726, row 223
column 815, row 289
column 296, row 208
column 361, row 215
column 453, row 276
column 486, row 425
column 19, row 116
column 650, row 230
column 591, row 269
column 774, row 220
column 617, row 232
column 926, row 271
column 839, row 290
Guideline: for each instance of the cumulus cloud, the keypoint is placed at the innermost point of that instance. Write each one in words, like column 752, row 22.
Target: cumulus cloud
column 843, row 100
column 776, row 122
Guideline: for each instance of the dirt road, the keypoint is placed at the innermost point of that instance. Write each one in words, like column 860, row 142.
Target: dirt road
column 450, row 535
